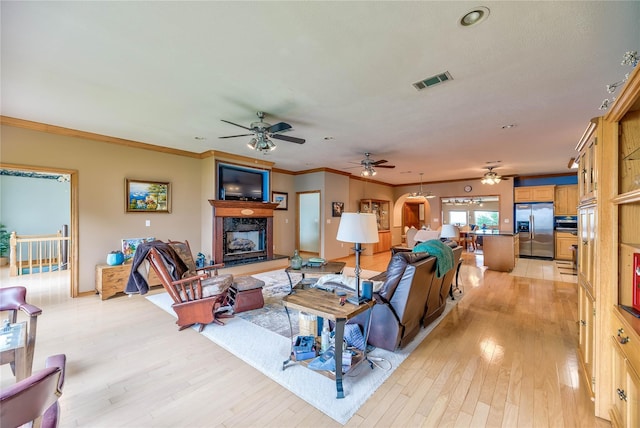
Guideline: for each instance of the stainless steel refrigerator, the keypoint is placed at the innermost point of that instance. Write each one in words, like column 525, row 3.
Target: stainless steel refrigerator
column 534, row 225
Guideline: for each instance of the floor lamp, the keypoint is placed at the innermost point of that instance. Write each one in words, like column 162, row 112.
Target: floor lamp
column 358, row 228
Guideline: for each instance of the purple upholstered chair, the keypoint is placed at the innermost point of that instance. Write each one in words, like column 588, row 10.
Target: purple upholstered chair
column 35, row 399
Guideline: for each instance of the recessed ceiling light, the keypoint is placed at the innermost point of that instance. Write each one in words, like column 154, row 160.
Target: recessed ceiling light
column 474, row 16
column 511, row 125
column 328, row 138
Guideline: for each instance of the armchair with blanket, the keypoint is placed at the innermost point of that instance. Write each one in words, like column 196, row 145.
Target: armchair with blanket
column 199, row 296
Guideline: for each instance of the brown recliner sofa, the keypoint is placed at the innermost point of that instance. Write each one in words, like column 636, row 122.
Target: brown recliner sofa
column 400, row 302
column 411, row 294
column 440, row 289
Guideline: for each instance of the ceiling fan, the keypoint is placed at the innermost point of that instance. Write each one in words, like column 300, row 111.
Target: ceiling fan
column 262, row 133
column 368, row 165
column 491, row 177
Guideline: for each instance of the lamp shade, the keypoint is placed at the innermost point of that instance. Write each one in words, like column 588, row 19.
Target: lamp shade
column 358, row 227
column 448, row 231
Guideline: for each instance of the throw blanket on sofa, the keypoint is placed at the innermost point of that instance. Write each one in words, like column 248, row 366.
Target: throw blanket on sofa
column 442, row 252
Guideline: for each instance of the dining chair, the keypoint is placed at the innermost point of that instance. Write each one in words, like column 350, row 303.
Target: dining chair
column 35, row 399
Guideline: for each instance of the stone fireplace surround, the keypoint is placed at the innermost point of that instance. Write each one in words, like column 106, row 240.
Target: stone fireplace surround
column 244, row 216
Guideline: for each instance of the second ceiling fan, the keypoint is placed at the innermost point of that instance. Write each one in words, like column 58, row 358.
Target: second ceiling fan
column 369, row 165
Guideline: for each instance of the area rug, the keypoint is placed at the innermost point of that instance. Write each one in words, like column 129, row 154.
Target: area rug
column 266, row 351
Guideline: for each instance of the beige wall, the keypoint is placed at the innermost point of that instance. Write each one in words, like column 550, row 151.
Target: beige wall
column 102, row 169
column 284, row 221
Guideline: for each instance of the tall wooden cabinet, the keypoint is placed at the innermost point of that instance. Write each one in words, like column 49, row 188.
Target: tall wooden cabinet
column 610, row 150
column 588, row 153
column 622, row 133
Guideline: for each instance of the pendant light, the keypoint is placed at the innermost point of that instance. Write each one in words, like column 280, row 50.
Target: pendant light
column 421, row 194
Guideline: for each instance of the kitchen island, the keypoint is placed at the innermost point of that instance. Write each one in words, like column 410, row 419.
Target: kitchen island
column 500, row 249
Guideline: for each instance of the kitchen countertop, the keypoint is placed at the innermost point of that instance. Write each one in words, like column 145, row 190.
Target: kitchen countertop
column 493, row 233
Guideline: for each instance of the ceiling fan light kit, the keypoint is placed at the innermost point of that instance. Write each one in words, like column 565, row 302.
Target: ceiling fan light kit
column 491, row 177
column 262, row 145
column 368, row 171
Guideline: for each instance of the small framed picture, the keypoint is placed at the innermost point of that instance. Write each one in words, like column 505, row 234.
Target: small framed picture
column 337, row 208
column 147, row 196
column 282, row 199
column 129, row 246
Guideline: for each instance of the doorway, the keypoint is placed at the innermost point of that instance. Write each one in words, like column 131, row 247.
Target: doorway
column 73, row 210
column 308, row 222
column 411, row 215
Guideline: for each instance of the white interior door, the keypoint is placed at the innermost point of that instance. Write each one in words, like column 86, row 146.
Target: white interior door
column 309, row 222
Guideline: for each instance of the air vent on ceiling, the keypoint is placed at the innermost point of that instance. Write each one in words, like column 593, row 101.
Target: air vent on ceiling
column 432, row 81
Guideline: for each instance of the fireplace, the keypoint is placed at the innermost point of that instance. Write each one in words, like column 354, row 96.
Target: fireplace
column 244, row 238
column 242, row 231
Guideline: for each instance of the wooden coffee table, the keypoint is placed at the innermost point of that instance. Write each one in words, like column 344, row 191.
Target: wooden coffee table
column 327, row 268
column 326, row 304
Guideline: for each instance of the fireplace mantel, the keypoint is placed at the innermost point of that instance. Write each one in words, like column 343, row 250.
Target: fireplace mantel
column 223, row 208
column 240, row 209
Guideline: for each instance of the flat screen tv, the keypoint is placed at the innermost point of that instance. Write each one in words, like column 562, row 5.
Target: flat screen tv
column 242, row 184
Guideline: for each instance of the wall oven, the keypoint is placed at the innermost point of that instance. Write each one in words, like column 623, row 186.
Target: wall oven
column 566, row 224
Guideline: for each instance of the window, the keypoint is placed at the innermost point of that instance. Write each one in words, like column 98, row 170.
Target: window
column 490, row 218
column 458, row 218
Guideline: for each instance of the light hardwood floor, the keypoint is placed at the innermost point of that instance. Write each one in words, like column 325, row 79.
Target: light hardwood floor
column 505, row 356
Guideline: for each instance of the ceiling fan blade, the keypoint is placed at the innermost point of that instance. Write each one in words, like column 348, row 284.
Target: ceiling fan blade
column 385, row 166
column 234, row 136
column 376, row 163
column 279, row 127
column 289, row 139
column 241, row 126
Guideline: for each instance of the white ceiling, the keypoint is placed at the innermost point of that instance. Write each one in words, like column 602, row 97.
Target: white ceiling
column 165, row 73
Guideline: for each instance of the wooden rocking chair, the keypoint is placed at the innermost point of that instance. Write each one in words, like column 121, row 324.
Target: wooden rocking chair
column 198, row 299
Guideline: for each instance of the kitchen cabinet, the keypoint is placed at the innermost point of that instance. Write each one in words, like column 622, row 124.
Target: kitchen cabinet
column 564, row 241
column 587, row 249
column 625, row 391
column 501, row 250
column 588, row 164
column 586, row 334
column 589, row 289
column 534, row 194
column 380, row 208
column 566, row 200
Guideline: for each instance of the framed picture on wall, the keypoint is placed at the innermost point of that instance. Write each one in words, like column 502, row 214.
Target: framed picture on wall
column 147, row 196
column 282, row 199
column 337, row 208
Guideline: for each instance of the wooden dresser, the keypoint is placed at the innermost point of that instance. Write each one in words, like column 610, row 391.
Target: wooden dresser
column 111, row 280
